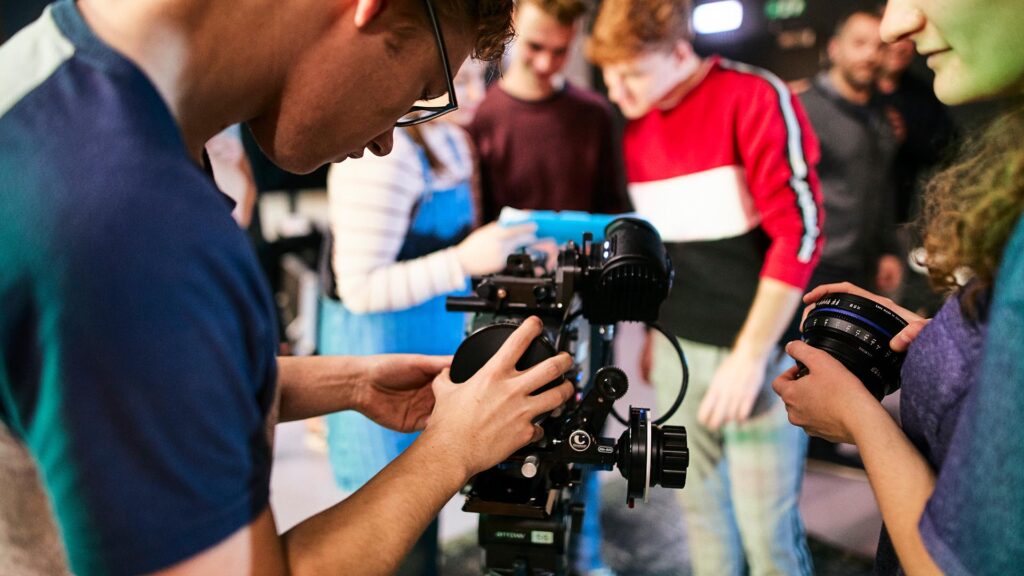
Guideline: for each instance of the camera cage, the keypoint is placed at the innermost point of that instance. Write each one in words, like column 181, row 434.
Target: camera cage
column 527, row 506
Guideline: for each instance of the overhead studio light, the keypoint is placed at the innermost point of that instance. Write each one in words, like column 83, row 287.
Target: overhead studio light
column 716, row 17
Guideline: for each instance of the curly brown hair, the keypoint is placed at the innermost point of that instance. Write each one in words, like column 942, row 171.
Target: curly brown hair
column 625, row 29
column 492, row 19
column 972, row 207
column 565, row 11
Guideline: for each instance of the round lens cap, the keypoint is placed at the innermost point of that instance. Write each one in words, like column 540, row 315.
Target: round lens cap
column 477, row 349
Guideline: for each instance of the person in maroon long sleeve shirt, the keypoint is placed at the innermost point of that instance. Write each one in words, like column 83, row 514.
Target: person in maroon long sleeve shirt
column 543, row 143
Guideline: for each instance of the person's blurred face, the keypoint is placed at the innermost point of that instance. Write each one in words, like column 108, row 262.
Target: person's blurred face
column 542, row 43
column 857, row 51
column 975, row 47
column 897, row 57
column 638, row 84
column 344, row 95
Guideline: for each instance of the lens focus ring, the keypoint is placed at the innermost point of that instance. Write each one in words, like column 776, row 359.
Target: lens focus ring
column 856, row 331
column 674, row 457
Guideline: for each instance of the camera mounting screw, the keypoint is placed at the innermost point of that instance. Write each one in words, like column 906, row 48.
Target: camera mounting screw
column 529, row 467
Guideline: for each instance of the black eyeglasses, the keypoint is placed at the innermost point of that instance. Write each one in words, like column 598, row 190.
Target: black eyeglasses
column 425, row 110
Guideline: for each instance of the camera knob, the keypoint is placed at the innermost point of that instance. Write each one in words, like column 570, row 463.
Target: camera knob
column 675, row 457
column 542, row 294
column 611, row 382
column 529, row 467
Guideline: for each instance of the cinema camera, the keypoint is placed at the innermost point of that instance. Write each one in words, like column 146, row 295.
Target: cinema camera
column 529, row 504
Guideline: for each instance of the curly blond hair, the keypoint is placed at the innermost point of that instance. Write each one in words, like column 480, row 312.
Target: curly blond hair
column 625, row 29
column 972, row 207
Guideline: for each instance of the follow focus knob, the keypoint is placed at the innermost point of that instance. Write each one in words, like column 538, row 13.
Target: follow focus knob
column 611, row 382
column 674, row 457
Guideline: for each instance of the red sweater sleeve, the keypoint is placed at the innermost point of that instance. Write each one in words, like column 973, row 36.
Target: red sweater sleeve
column 780, row 153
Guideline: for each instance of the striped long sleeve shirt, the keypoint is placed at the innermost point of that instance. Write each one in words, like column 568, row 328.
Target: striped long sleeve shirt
column 372, row 202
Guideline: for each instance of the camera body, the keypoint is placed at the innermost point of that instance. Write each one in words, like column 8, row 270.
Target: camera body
column 625, row 278
column 526, row 503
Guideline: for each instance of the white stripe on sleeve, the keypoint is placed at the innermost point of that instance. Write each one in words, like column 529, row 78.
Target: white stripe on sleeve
column 797, row 162
column 30, row 57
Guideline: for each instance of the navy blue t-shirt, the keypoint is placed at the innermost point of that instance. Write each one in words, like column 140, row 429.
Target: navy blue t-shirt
column 137, row 335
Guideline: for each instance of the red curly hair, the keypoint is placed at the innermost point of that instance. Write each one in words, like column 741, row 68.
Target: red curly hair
column 626, row 28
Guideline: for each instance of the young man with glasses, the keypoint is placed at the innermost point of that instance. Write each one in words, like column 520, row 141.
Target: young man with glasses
column 137, row 337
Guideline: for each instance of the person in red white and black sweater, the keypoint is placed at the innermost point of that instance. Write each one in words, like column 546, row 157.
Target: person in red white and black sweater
column 726, row 176
column 721, row 158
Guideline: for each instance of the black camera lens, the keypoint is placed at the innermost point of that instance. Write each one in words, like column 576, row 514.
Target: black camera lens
column 481, row 345
column 632, row 275
column 856, row 331
column 650, row 455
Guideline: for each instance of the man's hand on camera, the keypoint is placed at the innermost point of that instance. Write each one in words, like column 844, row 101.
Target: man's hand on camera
column 485, row 419
column 395, row 391
column 733, row 390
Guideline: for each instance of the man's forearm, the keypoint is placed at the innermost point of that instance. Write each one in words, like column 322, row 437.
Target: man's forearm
column 368, row 533
column 311, row 386
column 902, row 481
column 372, row 531
column 773, row 308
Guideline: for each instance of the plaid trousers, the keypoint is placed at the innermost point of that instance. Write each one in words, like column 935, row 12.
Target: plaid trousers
column 740, row 499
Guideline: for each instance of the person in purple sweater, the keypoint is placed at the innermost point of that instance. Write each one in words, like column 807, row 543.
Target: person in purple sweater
column 949, row 482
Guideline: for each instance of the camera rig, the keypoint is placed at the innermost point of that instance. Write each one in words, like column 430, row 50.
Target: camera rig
column 528, row 504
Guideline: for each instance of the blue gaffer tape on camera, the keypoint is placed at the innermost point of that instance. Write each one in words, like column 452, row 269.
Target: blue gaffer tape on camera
column 561, row 226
